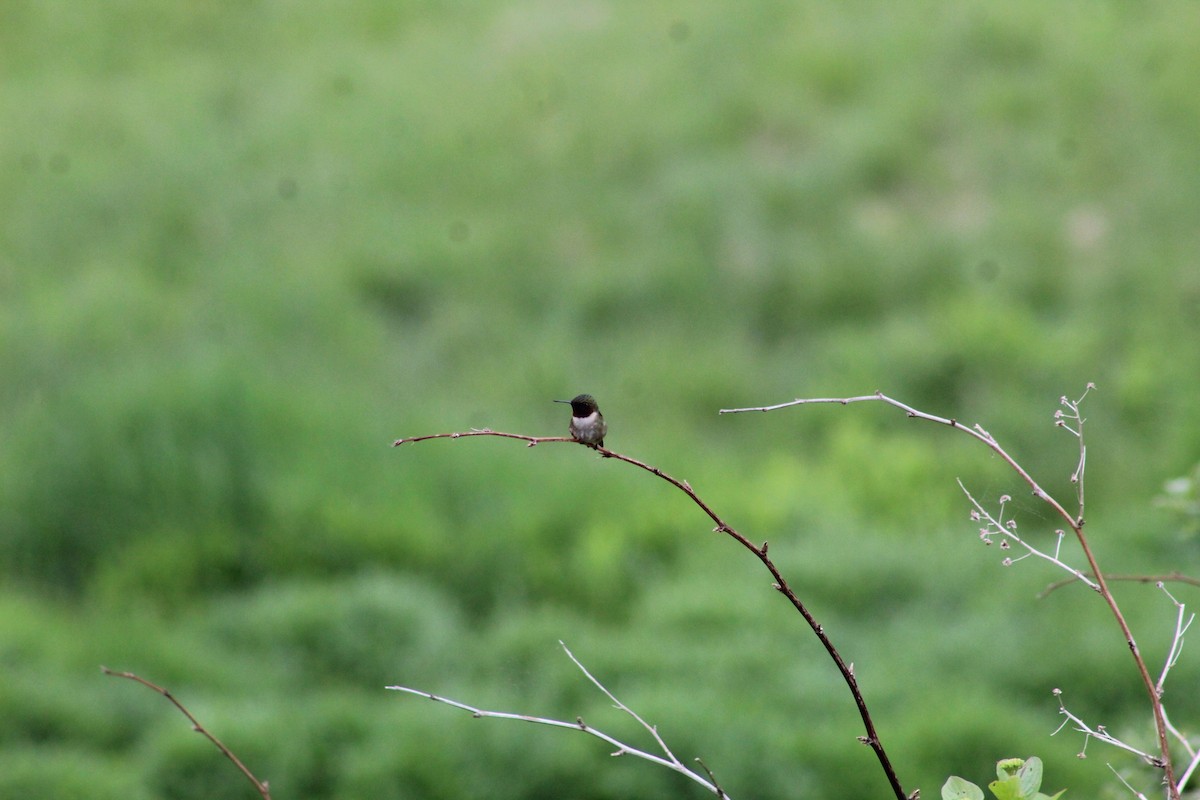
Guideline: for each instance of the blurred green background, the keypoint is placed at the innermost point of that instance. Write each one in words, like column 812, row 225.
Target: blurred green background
column 246, row 244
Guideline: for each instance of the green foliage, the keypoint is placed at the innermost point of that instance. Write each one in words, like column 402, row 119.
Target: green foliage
column 357, row 631
column 1017, row 779
column 49, row 770
column 1182, row 496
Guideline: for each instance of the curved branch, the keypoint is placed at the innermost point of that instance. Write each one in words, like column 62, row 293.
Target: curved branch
column 760, row 552
column 261, row 786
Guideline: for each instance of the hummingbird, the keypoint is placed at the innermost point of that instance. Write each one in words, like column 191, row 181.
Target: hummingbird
column 587, row 423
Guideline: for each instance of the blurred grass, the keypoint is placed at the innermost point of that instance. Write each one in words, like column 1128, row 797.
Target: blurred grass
column 244, row 246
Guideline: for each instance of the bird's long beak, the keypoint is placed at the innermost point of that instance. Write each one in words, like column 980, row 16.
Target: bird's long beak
column 568, row 402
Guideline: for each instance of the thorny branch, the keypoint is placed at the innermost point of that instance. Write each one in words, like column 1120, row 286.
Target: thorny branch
column 1073, row 422
column 871, row 739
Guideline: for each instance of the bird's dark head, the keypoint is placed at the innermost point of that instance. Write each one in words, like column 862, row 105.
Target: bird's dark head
column 582, row 405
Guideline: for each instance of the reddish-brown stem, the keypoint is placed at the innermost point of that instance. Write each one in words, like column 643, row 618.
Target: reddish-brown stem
column 1076, row 525
column 760, row 552
column 532, row 440
column 1170, row 577
column 261, row 786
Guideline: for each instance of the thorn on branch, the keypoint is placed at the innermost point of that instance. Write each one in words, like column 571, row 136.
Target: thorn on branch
column 763, row 549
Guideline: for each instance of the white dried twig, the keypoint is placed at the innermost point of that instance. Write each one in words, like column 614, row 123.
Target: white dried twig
column 1187, row 773
column 1063, row 420
column 1121, row 778
column 1183, row 621
column 998, row 526
column 1100, row 733
column 670, row 761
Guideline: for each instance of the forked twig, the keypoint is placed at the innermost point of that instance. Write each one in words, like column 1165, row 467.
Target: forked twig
column 669, row 761
column 653, row 730
column 1099, row 733
column 760, row 552
column 997, row 526
column 261, row 786
column 1183, row 621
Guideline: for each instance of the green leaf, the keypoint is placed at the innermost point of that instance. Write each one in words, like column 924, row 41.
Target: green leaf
column 956, row 788
column 1007, row 789
column 1030, row 776
column 1055, row 796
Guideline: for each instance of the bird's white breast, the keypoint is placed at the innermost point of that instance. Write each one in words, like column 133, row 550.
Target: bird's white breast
column 588, row 421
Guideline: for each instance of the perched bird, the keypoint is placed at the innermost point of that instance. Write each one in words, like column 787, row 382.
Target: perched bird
column 587, row 423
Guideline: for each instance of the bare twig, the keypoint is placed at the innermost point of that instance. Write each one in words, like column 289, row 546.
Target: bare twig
column 532, row 440
column 1183, row 740
column 997, row 526
column 650, row 728
column 1183, row 621
column 1075, row 522
column 1170, row 577
column 670, row 761
column 1064, row 420
column 720, row 792
column 760, row 552
column 1099, row 733
column 1188, row 772
column 261, row 786
column 1132, row 790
